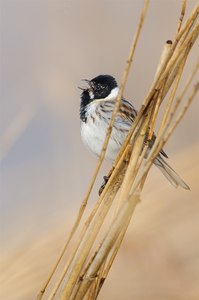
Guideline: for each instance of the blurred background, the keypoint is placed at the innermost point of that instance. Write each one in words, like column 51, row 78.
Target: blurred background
column 47, row 47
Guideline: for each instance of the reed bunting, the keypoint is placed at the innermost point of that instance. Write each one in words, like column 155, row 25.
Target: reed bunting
column 96, row 107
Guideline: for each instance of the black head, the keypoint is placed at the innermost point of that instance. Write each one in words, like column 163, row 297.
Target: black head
column 102, row 85
column 99, row 87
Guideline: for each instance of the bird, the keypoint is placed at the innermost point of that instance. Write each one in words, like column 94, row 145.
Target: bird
column 96, row 108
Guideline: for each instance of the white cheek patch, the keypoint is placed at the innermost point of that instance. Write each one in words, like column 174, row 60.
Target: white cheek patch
column 113, row 94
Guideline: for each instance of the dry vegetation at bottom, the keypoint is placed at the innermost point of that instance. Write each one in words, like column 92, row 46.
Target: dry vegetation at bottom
column 158, row 258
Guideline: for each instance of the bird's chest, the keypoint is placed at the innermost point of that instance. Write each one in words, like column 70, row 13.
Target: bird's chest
column 93, row 132
column 94, row 129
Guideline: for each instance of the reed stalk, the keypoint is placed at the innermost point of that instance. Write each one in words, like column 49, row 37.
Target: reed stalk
column 92, row 254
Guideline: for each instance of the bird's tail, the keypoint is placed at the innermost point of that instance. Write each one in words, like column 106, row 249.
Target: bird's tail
column 169, row 173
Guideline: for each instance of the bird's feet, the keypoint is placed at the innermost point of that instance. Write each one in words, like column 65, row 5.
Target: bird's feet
column 106, row 178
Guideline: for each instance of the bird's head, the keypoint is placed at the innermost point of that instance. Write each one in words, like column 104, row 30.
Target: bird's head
column 102, row 87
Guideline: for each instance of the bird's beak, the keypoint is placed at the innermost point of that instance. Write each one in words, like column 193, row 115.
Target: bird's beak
column 85, row 88
column 88, row 81
column 82, row 89
column 90, row 85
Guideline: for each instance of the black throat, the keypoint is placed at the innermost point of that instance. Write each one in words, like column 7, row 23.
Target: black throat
column 85, row 100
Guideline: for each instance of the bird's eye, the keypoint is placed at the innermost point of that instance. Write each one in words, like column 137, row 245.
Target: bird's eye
column 101, row 87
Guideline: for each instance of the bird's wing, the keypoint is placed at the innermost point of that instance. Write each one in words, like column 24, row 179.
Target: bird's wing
column 127, row 113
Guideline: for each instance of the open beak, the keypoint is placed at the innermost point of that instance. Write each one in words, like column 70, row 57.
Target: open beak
column 88, row 83
column 82, row 89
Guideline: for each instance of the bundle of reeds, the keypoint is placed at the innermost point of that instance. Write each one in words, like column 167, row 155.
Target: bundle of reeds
column 93, row 254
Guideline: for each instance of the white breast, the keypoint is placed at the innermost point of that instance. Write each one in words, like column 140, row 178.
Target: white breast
column 93, row 133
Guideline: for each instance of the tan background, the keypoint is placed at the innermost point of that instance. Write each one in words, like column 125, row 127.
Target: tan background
column 47, row 47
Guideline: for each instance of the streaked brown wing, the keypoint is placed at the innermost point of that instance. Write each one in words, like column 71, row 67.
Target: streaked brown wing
column 128, row 112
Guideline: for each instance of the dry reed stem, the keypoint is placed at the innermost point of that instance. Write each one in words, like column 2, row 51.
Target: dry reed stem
column 144, row 177
column 154, row 115
column 79, row 293
column 166, row 54
column 132, row 51
column 180, row 38
column 98, row 280
column 182, row 94
column 169, row 71
column 131, row 170
column 177, row 102
column 112, row 257
column 120, row 240
column 118, row 100
column 101, row 158
column 89, row 237
column 178, row 56
column 182, row 112
column 183, row 9
column 102, row 276
column 89, row 266
column 109, row 192
column 143, row 132
column 115, row 249
column 176, row 82
column 115, row 229
column 164, row 137
column 185, row 29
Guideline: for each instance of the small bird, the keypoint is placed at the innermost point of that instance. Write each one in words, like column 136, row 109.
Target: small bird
column 96, row 107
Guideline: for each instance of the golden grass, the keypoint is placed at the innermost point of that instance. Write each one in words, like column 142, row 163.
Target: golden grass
column 159, row 252
column 91, row 258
